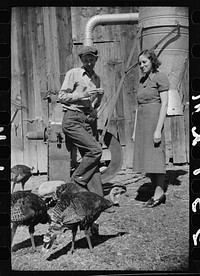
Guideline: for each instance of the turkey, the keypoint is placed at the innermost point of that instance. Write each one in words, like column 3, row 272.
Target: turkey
column 20, row 174
column 27, row 209
column 113, row 196
column 50, row 190
column 75, row 208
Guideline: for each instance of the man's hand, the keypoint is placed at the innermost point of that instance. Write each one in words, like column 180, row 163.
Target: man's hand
column 101, row 91
column 88, row 93
column 92, row 116
column 91, row 92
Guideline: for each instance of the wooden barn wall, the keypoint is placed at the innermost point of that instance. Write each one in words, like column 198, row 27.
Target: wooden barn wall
column 40, row 41
column 45, row 41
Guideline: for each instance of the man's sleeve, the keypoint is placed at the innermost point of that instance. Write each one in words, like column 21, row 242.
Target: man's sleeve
column 70, row 91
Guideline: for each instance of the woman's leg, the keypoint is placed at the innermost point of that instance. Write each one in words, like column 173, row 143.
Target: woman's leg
column 152, row 176
column 159, row 181
column 159, row 196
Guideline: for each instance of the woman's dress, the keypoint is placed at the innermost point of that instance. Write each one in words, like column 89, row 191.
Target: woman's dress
column 149, row 157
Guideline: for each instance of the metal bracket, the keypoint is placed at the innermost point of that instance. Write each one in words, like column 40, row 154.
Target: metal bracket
column 59, row 140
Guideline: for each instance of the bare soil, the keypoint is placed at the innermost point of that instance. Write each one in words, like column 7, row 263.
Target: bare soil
column 131, row 239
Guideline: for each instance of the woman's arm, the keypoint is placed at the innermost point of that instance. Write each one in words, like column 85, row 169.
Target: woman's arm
column 162, row 116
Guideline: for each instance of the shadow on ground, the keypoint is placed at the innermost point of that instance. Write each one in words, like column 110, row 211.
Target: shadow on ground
column 171, row 177
column 146, row 190
column 27, row 243
column 82, row 243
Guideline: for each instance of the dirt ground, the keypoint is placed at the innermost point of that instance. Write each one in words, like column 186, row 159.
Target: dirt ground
column 131, row 239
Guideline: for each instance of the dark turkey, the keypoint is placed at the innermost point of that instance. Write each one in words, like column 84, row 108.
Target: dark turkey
column 27, row 209
column 69, row 187
column 20, row 174
column 114, row 194
column 75, row 208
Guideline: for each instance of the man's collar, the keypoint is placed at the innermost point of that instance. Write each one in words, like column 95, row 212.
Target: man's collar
column 86, row 73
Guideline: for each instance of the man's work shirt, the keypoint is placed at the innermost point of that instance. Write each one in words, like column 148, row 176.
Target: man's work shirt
column 75, row 83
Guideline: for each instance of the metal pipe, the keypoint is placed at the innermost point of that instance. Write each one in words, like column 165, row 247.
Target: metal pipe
column 107, row 19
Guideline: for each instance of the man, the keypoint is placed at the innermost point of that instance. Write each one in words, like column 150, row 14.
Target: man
column 80, row 96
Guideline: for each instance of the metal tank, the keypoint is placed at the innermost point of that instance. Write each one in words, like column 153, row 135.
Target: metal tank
column 166, row 30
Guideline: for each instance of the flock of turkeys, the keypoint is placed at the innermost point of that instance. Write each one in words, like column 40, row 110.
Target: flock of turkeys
column 72, row 209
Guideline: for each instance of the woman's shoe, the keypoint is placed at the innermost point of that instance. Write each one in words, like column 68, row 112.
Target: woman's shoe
column 149, row 202
column 153, row 203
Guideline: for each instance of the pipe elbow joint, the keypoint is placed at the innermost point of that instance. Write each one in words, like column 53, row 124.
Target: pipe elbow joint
column 106, row 19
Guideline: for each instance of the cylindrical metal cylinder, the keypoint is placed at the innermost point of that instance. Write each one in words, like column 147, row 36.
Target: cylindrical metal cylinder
column 158, row 22
column 34, row 135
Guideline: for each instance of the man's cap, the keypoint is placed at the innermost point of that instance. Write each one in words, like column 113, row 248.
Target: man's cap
column 88, row 50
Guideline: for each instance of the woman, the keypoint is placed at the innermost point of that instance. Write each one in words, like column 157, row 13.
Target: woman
column 149, row 150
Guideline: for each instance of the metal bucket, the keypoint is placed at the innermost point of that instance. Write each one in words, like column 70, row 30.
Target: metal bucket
column 156, row 23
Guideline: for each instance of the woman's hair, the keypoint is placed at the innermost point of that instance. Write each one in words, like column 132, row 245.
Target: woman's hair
column 153, row 58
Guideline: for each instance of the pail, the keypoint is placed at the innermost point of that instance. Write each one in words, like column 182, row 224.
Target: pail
column 157, row 22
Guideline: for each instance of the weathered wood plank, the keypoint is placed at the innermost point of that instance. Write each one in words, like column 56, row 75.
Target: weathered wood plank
column 28, row 98
column 178, row 140
column 16, row 147
column 41, row 61
column 168, row 140
column 127, row 37
column 64, row 39
column 187, row 132
column 185, row 101
column 118, row 113
column 38, row 110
